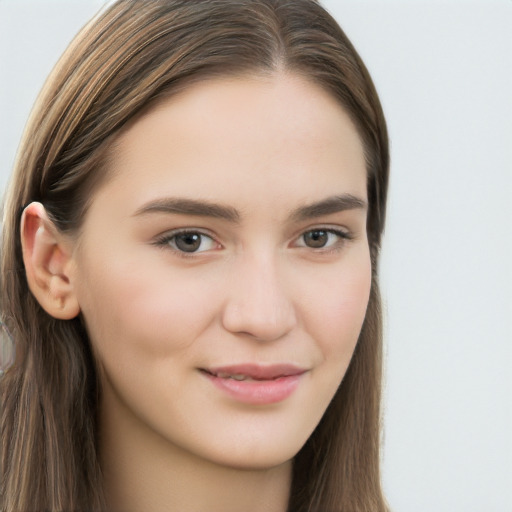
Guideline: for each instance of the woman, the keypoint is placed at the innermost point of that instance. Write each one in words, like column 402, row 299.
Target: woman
column 189, row 267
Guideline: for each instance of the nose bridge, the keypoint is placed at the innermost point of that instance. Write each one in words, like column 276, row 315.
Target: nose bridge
column 259, row 302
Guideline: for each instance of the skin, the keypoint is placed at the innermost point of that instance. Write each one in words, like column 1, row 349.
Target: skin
column 254, row 292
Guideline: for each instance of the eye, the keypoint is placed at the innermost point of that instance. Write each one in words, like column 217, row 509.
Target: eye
column 322, row 238
column 188, row 242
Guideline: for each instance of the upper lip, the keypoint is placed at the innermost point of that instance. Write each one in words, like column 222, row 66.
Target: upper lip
column 256, row 371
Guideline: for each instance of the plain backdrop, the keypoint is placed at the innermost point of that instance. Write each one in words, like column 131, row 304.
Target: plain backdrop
column 444, row 74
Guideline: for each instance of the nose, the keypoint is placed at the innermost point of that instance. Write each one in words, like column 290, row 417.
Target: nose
column 259, row 305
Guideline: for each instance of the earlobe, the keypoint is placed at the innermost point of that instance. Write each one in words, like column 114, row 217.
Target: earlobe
column 48, row 263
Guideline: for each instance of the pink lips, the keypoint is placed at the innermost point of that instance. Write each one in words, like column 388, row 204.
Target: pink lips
column 255, row 384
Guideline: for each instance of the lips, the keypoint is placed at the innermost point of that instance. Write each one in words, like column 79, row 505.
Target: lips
column 255, row 384
column 255, row 372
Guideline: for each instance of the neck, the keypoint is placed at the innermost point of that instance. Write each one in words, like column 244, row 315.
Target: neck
column 144, row 471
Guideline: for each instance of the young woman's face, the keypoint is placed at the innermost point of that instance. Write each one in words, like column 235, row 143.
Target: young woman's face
column 223, row 271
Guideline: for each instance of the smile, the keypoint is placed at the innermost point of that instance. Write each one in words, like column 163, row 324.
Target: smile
column 223, row 375
column 256, row 385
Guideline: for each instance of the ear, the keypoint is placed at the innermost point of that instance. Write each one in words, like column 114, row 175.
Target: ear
column 47, row 256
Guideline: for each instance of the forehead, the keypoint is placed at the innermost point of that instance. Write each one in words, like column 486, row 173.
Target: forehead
column 239, row 138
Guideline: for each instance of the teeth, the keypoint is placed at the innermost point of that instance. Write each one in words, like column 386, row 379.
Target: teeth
column 240, row 376
column 224, row 375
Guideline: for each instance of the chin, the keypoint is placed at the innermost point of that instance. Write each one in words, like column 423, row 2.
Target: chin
column 256, row 462
column 257, row 455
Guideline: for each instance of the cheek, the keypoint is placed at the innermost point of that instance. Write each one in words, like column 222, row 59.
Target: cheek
column 339, row 312
column 144, row 310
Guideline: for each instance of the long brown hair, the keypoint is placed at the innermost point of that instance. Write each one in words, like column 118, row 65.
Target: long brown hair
column 129, row 56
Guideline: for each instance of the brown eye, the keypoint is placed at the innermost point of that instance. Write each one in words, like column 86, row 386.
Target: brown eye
column 316, row 239
column 323, row 238
column 188, row 242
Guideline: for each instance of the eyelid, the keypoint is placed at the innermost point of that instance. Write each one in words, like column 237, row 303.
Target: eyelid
column 163, row 240
column 344, row 234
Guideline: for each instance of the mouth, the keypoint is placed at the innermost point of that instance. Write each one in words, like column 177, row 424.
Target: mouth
column 254, row 372
column 255, row 384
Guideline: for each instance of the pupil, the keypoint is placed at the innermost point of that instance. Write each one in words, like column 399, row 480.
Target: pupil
column 316, row 239
column 188, row 242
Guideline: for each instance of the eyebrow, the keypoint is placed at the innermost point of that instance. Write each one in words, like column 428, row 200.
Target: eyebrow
column 333, row 204
column 200, row 208
column 190, row 207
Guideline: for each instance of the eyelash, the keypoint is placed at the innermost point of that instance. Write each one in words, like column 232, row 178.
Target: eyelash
column 165, row 240
column 344, row 237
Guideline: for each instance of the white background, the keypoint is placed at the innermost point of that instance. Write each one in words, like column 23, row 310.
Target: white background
column 444, row 73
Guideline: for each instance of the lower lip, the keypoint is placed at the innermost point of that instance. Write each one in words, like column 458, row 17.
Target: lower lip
column 257, row 392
